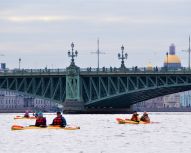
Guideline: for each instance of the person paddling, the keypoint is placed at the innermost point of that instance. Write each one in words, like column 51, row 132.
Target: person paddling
column 40, row 121
column 145, row 117
column 59, row 120
column 135, row 117
column 35, row 114
column 26, row 114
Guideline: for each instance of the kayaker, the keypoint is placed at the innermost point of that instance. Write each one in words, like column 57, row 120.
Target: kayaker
column 59, row 120
column 26, row 114
column 135, row 117
column 35, row 114
column 40, row 121
column 145, row 117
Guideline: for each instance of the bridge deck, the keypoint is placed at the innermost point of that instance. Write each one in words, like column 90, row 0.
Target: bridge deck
column 28, row 72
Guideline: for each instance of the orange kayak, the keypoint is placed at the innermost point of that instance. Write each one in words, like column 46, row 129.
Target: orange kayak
column 22, row 117
column 128, row 121
column 19, row 127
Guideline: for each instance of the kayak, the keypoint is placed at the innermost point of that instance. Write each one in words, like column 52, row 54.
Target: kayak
column 69, row 127
column 22, row 117
column 18, row 127
column 128, row 121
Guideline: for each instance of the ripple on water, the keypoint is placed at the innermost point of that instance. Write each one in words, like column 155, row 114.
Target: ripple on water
column 100, row 133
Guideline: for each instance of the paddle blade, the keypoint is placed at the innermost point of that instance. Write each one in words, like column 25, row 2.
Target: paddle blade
column 17, row 127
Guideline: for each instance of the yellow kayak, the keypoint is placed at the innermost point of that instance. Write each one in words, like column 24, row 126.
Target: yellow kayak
column 127, row 121
column 26, row 118
column 18, row 127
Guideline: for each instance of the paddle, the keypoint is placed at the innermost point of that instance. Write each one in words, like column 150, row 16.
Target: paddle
column 17, row 127
column 41, row 126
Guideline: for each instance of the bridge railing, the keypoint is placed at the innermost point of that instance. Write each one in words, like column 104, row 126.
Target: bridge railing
column 90, row 70
column 32, row 72
column 133, row 70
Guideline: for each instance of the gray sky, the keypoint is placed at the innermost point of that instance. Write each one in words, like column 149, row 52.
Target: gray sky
column 41, row 31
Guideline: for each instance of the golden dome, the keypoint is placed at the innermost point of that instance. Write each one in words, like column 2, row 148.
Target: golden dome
column 149, row 67
column 172, row 59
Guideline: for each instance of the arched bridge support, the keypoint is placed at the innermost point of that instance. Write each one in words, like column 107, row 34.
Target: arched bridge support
column 45, row 86
column 123, row 90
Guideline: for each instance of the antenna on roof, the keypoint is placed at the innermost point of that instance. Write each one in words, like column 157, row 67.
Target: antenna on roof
column 188, row 54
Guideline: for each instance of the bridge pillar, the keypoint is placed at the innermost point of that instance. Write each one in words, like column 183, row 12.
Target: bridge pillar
column 73, row 102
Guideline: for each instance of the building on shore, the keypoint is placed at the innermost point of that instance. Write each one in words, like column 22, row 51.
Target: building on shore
column 17, row 102
column 3, row 66
column 171, row 101
column 185, row 99
column 163, row 103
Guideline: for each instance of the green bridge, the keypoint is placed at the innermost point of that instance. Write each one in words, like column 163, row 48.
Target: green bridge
column 79, row 90
column 82, row 90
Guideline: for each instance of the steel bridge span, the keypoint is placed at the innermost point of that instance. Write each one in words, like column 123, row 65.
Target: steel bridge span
column 79, row 90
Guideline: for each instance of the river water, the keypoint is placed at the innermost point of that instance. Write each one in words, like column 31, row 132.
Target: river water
column 100, row 134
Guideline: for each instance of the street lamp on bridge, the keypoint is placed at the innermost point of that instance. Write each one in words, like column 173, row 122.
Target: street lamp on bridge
column 19, row 63
column 72, row 54
column 167, row 61
column 122, row 56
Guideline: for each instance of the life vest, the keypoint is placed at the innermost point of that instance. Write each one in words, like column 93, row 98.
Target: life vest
column 57, row 121
column 26, row 115
column 134, row 118
column 40, row 121
column 145, row 118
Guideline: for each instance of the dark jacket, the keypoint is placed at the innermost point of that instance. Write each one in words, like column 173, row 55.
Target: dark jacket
column 59, row 121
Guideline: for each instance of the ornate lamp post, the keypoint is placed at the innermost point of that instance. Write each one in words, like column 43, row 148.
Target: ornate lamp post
column 122, row 57
column 73, row 100
column 189, row 55
column 167, row 61
column 72, row 54
column 19, row 63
